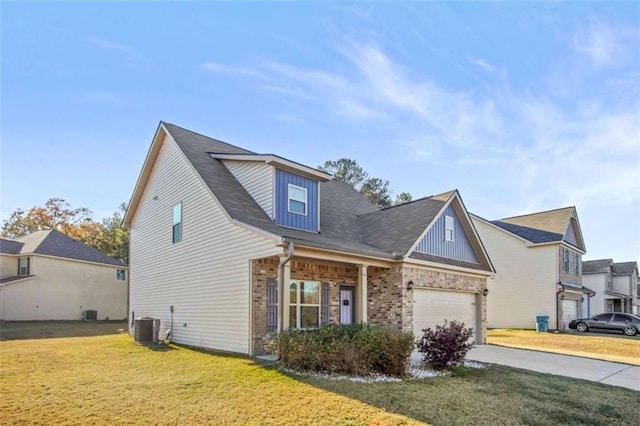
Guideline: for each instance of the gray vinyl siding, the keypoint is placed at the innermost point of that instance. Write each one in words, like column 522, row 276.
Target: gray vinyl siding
column 257, row 179
column 570, row 235
column 206, row 275
column 434, row 241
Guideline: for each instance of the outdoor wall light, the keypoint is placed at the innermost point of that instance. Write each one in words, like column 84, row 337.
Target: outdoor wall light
column 410, row 285
column 485, row 292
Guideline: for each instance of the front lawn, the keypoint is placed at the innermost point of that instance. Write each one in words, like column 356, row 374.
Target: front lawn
column 615, row 349
column 112, row 380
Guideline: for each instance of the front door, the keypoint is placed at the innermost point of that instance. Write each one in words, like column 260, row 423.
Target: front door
column 347, row 304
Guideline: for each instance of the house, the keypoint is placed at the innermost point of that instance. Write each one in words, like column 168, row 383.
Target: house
column 615, row 284
column 538, row 261
column 227, row 247
column 49, row 276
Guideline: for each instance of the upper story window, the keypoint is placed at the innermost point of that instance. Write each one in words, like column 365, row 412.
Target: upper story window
column 177, row 222
column 576, row 263
column 565, row 260
column 121, row 274
column 24, row 264
column 297, row 199
column 448, row 229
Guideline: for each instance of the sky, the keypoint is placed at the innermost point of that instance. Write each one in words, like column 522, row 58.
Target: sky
column 521, row 106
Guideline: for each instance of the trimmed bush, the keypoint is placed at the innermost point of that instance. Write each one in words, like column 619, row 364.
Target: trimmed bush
column 347, row 349
column 446, row 346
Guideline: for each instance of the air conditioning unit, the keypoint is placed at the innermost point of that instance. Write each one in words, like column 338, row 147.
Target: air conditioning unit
column 147, row 329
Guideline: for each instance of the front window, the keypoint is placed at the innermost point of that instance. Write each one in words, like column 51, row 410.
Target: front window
column 297, row 200
column 603, row 317
column 565, row 260
column 576, row 264
column 304, row 307
column 24, row 266
column 448, row 228
column 177, row 223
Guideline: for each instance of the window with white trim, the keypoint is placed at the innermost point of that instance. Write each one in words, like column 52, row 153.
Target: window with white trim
column 576, row 265
column 297, row 199
column 565, row 260
column 304, row 304
column 177, row 223
column 24, row 266
column 448, row 228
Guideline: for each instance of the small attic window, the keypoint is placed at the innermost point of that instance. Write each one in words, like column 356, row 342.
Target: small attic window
column 297, row 200
column 448, row 229
column 24, row 264
column 177, row 223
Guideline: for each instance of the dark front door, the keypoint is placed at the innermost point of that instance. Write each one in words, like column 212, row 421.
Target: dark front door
column 347, row 304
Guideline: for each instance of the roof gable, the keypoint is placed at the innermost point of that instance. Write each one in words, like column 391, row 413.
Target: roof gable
column 598, row 266
column 625, row 268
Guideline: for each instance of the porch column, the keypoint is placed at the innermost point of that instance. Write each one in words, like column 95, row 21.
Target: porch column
column 286, row 295
column 361, row 307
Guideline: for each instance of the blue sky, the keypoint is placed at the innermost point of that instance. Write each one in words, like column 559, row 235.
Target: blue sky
column 522, row 107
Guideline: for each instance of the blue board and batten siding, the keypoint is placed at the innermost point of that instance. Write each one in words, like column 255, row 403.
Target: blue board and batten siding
column 308, row 222
column 434, row 242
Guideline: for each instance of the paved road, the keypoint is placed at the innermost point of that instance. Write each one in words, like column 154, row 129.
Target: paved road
column 610, row 373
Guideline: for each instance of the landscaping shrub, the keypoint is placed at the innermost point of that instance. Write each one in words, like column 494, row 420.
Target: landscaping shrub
column 446, row 346
column 347, row 349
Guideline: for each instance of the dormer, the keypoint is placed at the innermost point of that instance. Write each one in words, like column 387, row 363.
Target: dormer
column 288, row 192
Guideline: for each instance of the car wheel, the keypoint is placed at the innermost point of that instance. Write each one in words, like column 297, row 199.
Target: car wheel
column 630, row 331
column 582, row 327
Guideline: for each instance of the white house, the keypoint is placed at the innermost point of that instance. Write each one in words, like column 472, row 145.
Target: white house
column 615, row 284
column 228, row 247
column 49, row 276
column 538, row 268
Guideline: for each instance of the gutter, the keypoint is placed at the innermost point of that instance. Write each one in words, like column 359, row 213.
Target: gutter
column 283, row 261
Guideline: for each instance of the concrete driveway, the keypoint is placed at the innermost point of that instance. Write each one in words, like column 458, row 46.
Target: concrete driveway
column 610, row 373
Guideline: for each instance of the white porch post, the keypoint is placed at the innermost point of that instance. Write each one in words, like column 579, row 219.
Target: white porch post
column 286, row 296
column 361, row 307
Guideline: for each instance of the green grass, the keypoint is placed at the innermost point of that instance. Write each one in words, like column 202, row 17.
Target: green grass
column 608, row 348
column 112, row 380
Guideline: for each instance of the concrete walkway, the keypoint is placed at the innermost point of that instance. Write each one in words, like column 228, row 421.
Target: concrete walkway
column 610, row 373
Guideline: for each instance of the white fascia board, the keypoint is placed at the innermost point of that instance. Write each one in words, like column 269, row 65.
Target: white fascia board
column 283, row 163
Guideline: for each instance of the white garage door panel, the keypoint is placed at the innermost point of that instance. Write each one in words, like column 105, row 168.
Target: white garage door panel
column 569, row 312
column 432, row 307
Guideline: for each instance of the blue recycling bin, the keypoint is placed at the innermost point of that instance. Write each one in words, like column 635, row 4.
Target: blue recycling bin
column 542, row 323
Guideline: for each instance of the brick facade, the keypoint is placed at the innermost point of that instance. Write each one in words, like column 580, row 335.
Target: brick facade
column 389, row 302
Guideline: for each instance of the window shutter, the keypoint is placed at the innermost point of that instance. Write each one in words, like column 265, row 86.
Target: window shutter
column 272, row 304
column 324, row 306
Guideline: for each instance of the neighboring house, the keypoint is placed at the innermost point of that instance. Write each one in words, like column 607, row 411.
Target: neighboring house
column 216, row 230
column 49, row 276
column 538, row 262
column 615, row 284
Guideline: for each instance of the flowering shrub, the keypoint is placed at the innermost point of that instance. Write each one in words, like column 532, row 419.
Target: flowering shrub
column 446, row 346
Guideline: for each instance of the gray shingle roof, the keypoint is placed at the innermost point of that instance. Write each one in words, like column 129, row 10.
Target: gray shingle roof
column 54, row 243
column 10, row 246
column 531, row 234
column 596, row 266
column 625, row 268
column 348, row 221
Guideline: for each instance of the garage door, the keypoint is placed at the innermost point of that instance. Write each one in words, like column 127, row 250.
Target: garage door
column 569, row 312
column 432, row 307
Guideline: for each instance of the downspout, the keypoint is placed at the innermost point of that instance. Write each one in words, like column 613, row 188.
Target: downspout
column 283, row 261
column 558, row 307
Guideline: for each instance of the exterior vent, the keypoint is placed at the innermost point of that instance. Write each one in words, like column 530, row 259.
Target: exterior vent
column 147, row 329
column 90, row 315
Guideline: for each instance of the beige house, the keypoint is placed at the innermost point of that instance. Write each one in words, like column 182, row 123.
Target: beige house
column 538, row 262
column 228, row 247
column 615, row 284
column 49, row 276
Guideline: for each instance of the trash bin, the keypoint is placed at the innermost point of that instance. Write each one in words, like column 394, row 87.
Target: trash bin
column 542, row 323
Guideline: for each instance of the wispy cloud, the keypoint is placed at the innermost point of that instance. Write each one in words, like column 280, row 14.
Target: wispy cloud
column 600, row 42
column 218, row 68
column 109, row 44
column 481, row 63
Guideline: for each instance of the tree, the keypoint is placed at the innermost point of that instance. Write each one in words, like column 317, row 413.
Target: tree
column 403, row 197
column 56, row 214
column 345, row 170
column 109, row 236
column 377, row 191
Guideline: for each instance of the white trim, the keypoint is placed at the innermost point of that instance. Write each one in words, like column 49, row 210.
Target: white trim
column 446, row 267
column 299, row 303
column 283, row 163
column 448, row 219
column 291, row 198
column 31, row 254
